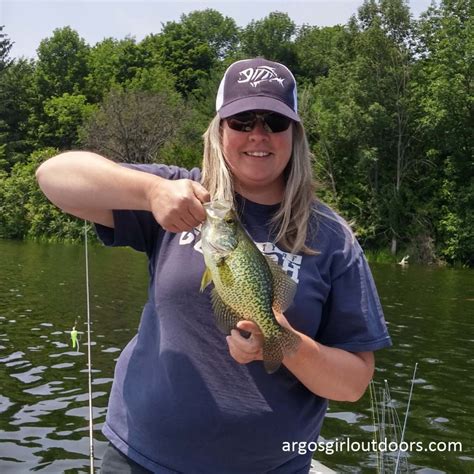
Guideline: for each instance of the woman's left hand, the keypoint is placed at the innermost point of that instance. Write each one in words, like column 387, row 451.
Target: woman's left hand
column 247, row 349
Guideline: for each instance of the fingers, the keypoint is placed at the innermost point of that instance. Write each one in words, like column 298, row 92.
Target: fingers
column 196, row 209
column 190, row 220
column 201, row 193
column 246, row 342
column 179, row 224
column 242, row 352
column 249, row 326
column 245, row 349
column 177, row 205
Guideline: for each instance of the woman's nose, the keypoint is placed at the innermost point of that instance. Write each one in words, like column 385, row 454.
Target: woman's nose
column 259, row 131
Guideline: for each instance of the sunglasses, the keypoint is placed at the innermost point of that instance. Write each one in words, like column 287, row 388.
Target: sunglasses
column 272, row 122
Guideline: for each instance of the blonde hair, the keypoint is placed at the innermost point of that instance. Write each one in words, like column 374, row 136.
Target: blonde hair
column 291, row 221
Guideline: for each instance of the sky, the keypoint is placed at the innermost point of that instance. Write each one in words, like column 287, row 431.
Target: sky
column 28, row 22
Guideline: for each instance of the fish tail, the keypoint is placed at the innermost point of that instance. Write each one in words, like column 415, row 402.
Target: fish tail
column 286, row 342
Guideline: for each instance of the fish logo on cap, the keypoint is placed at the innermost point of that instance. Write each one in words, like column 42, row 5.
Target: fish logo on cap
column 260, row 74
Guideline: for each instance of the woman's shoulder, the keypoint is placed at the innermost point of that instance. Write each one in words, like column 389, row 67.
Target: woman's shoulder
column 166, row 171
column 330, row 223
column 333, row 237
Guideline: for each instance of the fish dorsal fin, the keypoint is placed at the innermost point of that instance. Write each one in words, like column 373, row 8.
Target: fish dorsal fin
column 284, row 288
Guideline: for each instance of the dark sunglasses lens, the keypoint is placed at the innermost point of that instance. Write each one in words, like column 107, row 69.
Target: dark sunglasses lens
column 277, row 123
column 245, row 122
column 242, row 122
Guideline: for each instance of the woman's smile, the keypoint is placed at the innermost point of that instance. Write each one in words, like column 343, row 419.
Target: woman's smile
column 258, row 154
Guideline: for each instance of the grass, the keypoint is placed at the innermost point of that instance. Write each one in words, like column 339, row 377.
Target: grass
column 382, row 256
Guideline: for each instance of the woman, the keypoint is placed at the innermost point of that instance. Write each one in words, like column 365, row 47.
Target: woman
column 184, row 400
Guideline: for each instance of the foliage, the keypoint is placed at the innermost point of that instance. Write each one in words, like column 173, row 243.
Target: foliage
column 65, row 115
column 271, row 38
column 386, row 101
column 16, row 99
column 5, row 47
column 62, row 64
column 444, row 93
column 132, row 126
column 111, row 63
column 189, row 49
column 318, row 49
column 364, row 122
column 24, row 210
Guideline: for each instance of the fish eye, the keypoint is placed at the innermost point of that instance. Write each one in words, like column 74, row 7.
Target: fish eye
column 229, row 220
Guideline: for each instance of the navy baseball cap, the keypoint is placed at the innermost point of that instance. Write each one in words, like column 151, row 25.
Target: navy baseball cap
column 257, row 84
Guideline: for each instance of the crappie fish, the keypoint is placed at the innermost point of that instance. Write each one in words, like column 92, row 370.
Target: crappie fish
column 247, row 284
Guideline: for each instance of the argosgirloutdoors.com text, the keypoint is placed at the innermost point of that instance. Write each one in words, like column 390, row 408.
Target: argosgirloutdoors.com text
column 348, row 445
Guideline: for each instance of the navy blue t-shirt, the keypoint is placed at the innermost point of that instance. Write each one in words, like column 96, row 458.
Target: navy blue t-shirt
column 179, row 401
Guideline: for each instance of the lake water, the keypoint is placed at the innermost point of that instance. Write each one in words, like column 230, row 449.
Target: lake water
column 43, row 381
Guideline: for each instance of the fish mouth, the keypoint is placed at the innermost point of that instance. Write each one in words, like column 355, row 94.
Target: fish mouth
column 218, row 208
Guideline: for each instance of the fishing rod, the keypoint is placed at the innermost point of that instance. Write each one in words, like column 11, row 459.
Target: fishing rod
column 89, row 357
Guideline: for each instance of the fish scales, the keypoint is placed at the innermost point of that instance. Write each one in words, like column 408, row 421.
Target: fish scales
column 253, row 300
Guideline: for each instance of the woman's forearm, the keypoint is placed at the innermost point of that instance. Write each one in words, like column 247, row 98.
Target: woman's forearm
column 85, row 180
column 329, row 372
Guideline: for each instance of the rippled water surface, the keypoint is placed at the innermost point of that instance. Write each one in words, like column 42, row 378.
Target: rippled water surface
column 43, row 381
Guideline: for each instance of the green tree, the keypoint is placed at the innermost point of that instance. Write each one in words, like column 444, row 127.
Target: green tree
column 5, row 47
column 24, row 210
column 61, row 68
column 189, row 49
column 364, row 122
column 44, row 220
column 272, row 37
column 114, row 62
column 444, row 93
column 65, row 115
column 16, row 105
column 14, row 190
column 336, row 124
column 318, row 49
column 384, row 66
column 62, row 64
column 154, row 79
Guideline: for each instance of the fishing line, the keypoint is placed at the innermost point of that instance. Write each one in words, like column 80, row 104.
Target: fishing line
column 406, row 416
column 89, row 358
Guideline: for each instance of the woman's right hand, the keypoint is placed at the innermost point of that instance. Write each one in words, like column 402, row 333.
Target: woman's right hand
column 177, row 205
column 89, row 186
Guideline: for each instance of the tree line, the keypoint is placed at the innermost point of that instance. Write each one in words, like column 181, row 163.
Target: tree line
column 386, row 100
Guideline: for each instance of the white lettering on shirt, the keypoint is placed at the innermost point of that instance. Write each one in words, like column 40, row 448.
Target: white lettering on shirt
column 289, row 262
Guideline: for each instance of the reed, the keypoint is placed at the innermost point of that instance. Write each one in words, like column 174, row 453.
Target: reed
column 389, row 429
